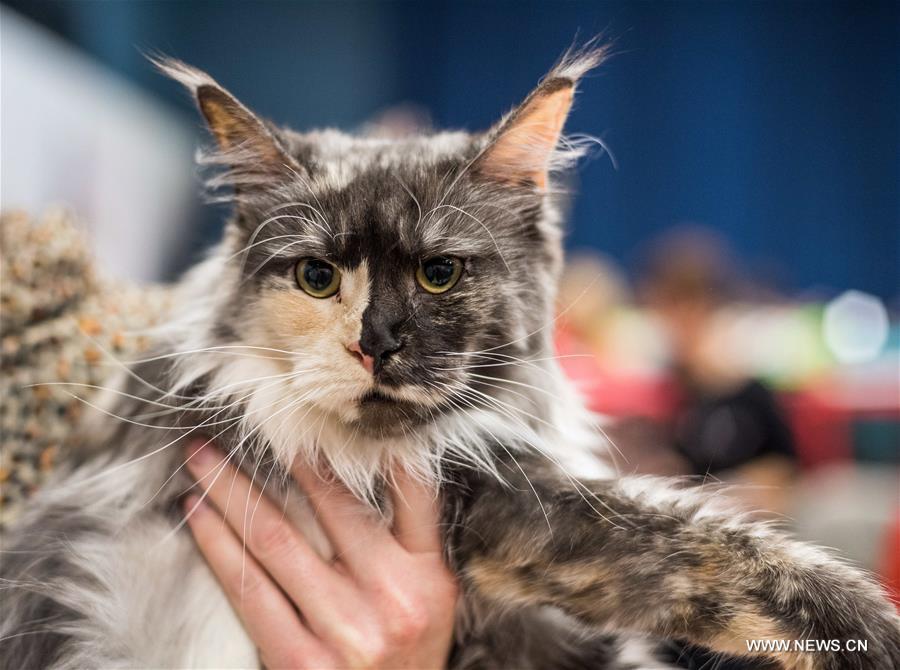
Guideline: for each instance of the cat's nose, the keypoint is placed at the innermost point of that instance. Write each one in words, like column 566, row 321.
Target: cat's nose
column 378, row 344
column 367, row 361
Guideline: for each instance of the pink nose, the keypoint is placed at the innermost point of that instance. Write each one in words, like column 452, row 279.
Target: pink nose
column 367, row 361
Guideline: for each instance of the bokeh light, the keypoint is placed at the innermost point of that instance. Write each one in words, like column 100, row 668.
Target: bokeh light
column 855, row 327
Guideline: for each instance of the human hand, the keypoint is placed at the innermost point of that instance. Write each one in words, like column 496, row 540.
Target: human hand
column 387, row 601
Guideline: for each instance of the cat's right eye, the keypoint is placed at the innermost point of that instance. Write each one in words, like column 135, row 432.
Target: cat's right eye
column 318, row 278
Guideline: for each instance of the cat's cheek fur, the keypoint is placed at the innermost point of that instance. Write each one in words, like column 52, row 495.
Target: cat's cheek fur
column 287, row 315
column 318, row 334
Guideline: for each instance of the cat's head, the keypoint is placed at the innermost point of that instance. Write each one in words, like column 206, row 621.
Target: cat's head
column 389, row 283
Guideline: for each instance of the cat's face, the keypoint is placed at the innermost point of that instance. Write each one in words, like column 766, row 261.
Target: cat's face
column 391, row 281
column 384, row 280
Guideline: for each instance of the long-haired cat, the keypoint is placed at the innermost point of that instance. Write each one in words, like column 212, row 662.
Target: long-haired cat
column 377, row 304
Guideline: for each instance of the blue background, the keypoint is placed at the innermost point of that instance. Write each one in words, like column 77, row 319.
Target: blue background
column 776, row 123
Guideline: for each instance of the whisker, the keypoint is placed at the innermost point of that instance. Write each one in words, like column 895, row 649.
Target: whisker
column 579, row 486
column 224, row 348
column 521, row 470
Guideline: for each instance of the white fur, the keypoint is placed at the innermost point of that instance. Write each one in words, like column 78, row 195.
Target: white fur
column 137, row 588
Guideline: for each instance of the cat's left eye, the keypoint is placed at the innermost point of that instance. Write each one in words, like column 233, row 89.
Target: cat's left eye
column 318, row 278
column 439, row 274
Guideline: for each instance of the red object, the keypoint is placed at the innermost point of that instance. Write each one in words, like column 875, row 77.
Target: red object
column 612, row 392
column 821, row 430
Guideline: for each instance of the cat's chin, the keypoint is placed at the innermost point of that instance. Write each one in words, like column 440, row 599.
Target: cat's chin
column 380, row 415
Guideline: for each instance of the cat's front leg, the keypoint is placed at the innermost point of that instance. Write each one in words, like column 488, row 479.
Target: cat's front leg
column 642, row 555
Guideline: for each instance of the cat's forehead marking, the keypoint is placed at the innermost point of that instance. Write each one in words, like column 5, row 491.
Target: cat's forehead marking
column 341, row 158
column 355, row 296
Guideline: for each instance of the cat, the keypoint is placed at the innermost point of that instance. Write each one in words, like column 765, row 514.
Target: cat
column 382, row 303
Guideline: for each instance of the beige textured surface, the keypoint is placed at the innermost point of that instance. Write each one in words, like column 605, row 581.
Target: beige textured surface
column 62, row 329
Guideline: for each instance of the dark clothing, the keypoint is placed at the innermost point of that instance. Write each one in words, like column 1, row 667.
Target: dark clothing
column 721, row 432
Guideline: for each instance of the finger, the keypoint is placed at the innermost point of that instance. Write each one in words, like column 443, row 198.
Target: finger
column 278, row 547
column 357, row 532
column 268, row 616
column 416, row 514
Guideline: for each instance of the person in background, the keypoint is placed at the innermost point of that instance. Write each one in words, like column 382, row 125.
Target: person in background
column 725, row 426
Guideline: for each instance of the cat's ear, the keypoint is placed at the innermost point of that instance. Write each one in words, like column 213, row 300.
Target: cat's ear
column 521, row 149
column 252, row 151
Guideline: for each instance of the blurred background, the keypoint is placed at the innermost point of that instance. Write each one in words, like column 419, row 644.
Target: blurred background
column 732, row 301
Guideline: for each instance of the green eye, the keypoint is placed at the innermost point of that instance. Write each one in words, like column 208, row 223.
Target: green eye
column 439, row 274
column 318, row 278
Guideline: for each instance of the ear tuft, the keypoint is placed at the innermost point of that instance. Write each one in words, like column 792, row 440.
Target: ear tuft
column 231, row 122
column 577, row 62
column 521, row 148
column 253, row 155
column 189, row 77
